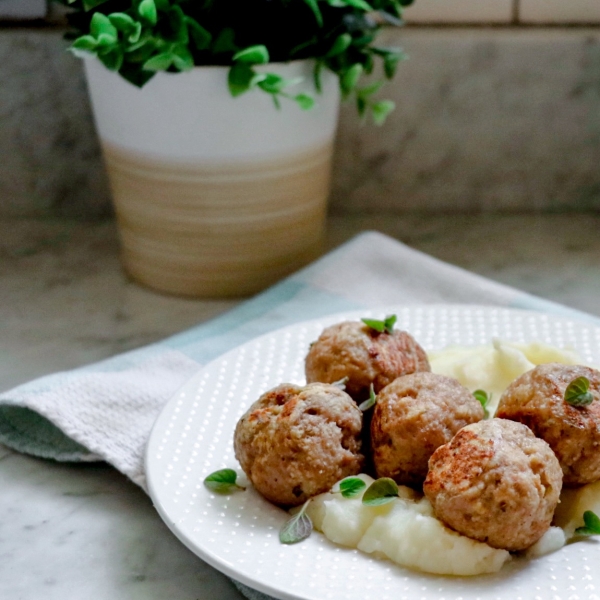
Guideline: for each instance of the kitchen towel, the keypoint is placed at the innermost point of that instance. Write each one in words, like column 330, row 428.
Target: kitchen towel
column 105, row 411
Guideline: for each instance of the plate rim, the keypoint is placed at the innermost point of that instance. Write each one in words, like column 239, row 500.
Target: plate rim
column 217, row 562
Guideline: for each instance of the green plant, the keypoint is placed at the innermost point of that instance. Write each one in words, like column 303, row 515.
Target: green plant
column 137, row 38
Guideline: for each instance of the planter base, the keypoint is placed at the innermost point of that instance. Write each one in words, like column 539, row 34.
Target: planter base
column 219, row 229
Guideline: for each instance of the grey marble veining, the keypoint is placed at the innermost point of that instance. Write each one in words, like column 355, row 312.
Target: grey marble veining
column 487, row 119
column 69, row 532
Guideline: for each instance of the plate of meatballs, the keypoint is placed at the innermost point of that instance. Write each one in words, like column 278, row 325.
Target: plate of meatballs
column 410, row 487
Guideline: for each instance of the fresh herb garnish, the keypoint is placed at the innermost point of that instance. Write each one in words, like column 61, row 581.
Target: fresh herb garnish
column 298, row 528
column 222, row 481
column 351, row 487
column 341, row 383
column 367, row 404
column 592, row 524
column 484, row 400
column 386, row 325
column 381, row 491
column 577, row 392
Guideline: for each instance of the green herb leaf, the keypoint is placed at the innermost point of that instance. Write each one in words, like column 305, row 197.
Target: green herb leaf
column 341, row 383
column 304, row 101
column 349, row 79
column 90, row 4
column 360, row 4
column 484, row 400
column 253, row 55
column 159, row 62
column 369, row 90
column 201, row 36
column 240, row 78
column 314, row 6
column 223, row 481
column 298, row 528
column 592, row 524
column 577, row 392
column 386, row 325
column 372, row 401
column 317, row 76
column 147, row 10
column 225, row 41
column 182, row 58
column 351, row 487
column 341, row 44
column 381, row 491
column 274, row 84
column 381, row 110
column 101, row 25
column 111, row 59
column 87, row 43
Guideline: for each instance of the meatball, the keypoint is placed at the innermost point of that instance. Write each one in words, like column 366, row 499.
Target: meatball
column 354, row 350
column 414, row 415
column 295, row 442
column 537, row 400
column 495, row 482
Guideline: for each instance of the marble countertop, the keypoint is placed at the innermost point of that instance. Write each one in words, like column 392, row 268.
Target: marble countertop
column 71, row 531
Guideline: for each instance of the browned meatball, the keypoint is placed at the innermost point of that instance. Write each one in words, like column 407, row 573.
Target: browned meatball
column 414, row 415
column 495, row 482
column 354, row 350
column 295, row 442
column 537, row 400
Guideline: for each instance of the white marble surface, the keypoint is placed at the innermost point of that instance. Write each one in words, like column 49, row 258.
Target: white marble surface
column 74, row 531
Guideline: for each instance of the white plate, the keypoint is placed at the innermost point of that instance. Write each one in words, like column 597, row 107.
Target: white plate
column 238, row 534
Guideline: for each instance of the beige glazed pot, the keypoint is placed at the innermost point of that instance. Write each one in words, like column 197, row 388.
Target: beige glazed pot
column 215, row 196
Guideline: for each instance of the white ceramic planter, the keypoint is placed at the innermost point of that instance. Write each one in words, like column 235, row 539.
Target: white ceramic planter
column 215, row 196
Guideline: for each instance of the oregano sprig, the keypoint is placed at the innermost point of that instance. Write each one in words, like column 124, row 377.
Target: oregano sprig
column 381, row 491
column 223, row 481
column 577, row 392
column 298, row 528
column 387, row 325
column 591, row 524
column 350, row 487
column 371, row 401
column 484, row 399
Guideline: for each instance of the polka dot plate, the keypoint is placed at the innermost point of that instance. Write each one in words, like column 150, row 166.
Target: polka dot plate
column 238, row 533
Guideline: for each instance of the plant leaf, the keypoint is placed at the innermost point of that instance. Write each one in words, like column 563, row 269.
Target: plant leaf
column 372, row 401
column 304, row 101
column 298, row 528
column 240, row 78
column 111, row 59
column 159, row 62
column 101, row 25
column 592, row 524
column 577, row 392
column 381, row 110
column 317, row 76
column 223, row 481
column 381, row 491
column 341, row 44
column 360, row 4
column 90, row 4
column 182, row 58
column 147, row 10
column 201, row 36
column 351, row 487
column 87, row 43
column 482, row 397
column 341, row 383
column 314, row 6
column 369, row 90
column 253, row 55
column 349, row 79
column 225, row 41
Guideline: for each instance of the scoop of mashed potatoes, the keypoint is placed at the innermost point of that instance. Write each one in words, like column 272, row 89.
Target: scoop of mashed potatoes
column 405, row 531
column 494, row 366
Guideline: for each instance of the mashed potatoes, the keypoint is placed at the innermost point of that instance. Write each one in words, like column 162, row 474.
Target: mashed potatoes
column 494, row 366
column 404, row 531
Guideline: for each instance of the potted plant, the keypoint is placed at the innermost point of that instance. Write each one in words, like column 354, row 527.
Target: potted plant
column 218, row 129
